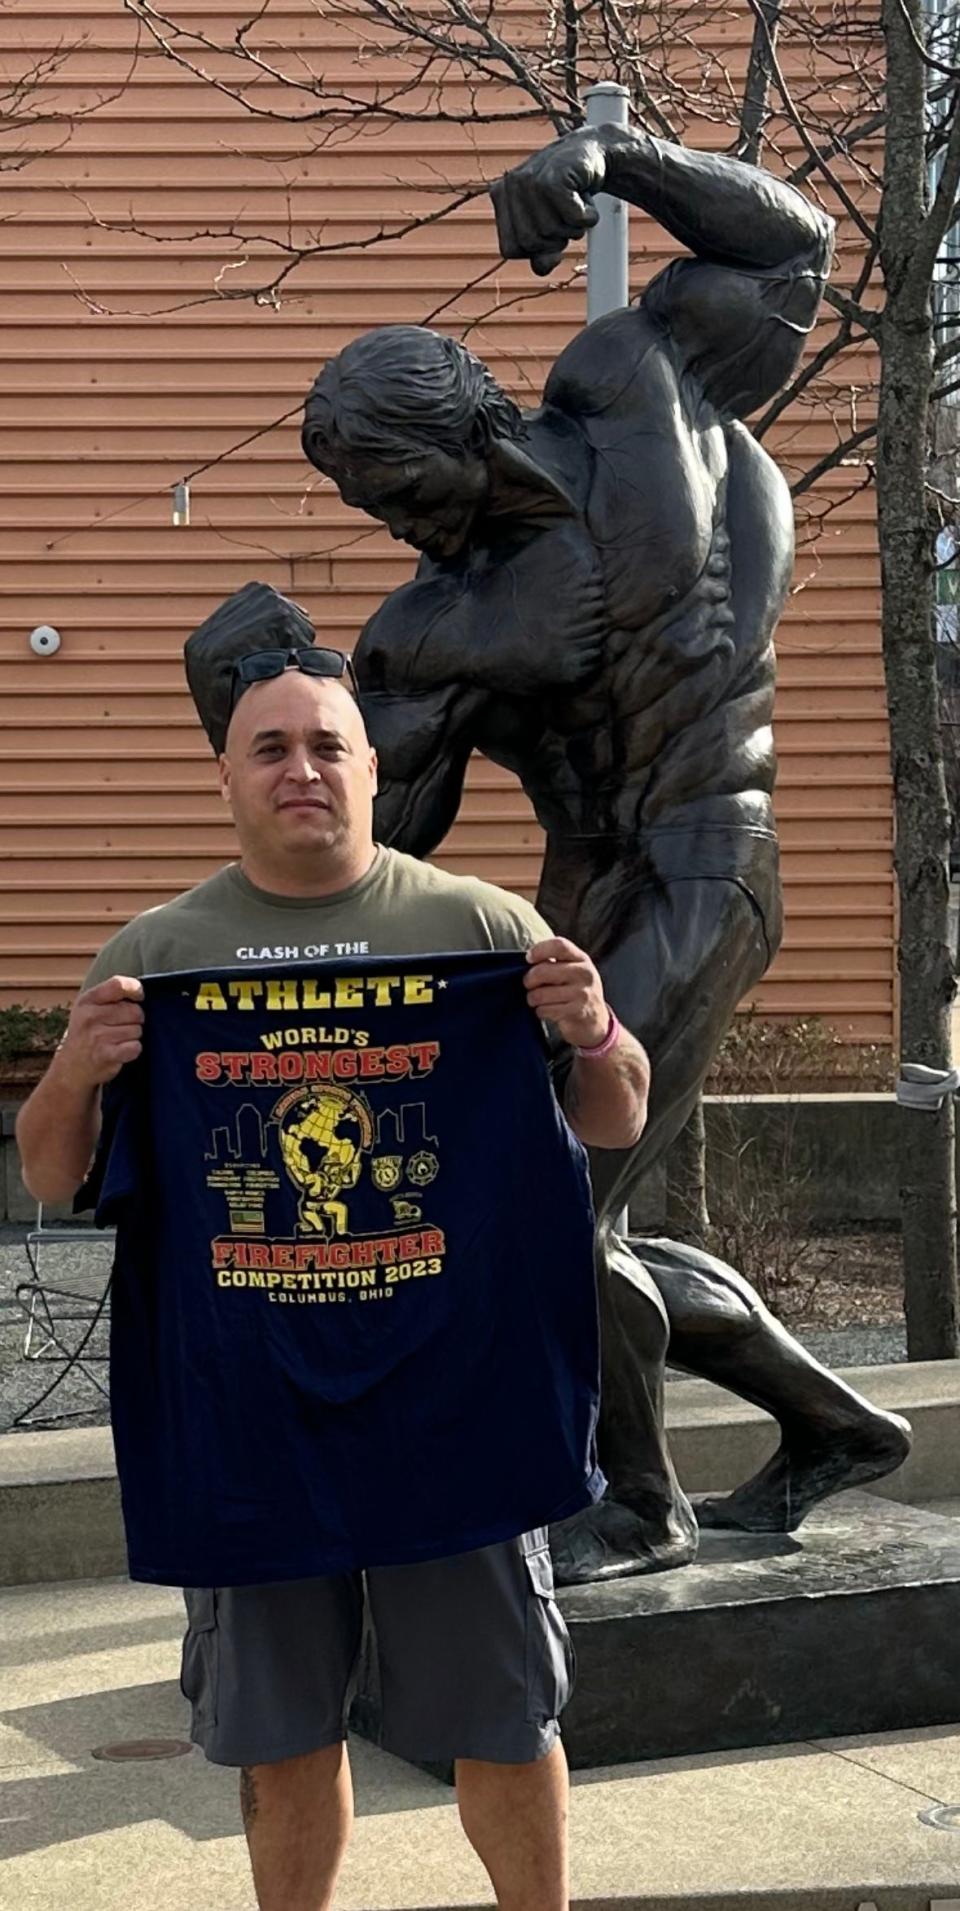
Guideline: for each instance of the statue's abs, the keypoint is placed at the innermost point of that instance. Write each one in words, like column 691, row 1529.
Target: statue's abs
column 639, row 736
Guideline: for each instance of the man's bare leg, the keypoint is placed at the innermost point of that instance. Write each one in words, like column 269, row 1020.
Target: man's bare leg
column 515, row 1817
column 297, row 1815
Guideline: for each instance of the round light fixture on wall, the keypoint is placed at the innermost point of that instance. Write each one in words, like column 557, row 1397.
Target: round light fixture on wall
column 44, row 641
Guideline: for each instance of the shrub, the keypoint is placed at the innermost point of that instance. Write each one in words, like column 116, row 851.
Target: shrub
column 760, row 1212
column 759, row 1056
column 27, row 1031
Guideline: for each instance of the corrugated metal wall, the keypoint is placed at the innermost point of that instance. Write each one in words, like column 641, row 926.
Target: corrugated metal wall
column 122, row 369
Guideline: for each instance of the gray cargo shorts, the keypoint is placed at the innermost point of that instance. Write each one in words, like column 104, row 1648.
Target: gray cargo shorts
column 472, row 1658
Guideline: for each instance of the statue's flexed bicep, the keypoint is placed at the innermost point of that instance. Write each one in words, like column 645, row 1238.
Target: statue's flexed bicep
column 734, row 316
column 422, row 733
column 423, row 741
column 519, row 621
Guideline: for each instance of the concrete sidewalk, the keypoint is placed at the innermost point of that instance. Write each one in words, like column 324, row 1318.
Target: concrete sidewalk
column 830, row 1826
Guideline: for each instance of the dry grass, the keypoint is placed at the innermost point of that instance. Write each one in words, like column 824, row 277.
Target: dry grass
column 845, row 1280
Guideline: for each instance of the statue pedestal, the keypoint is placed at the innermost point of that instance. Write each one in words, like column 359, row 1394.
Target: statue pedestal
column 849, row 1626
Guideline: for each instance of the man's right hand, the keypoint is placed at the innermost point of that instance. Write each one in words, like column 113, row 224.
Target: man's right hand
column 104, row 1032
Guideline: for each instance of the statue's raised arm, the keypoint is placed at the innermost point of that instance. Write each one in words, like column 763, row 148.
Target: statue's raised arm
column 738, row 311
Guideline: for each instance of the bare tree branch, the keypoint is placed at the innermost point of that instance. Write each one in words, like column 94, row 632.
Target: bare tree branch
column 821, row 163
column 943, row 210
column 23, row 120
column 934, row 65
column 841, row 144
column 756, row 91
column 838, row 456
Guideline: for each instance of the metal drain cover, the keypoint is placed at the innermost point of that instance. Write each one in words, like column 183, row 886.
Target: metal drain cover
column 942, row 1817
column 143, row 1748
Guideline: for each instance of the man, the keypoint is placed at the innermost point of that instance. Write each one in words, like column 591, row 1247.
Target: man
column 594, row 609
column 477, row 1638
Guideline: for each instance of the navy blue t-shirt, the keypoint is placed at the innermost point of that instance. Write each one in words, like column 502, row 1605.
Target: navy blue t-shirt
column 354, row 1309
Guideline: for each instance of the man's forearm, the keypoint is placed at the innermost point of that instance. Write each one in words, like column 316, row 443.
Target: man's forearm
column 57, row 1130
column 605, row 1100
column 722, row 209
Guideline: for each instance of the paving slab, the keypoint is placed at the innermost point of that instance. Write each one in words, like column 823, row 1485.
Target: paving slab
column 832, row 1825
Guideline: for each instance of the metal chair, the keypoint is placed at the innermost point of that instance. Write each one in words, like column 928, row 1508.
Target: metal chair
column 50, row 1307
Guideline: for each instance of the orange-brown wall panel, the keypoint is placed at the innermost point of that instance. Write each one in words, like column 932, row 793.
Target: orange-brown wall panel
column 122, row 368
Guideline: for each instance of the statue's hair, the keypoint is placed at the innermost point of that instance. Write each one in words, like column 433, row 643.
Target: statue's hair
column 398, row 391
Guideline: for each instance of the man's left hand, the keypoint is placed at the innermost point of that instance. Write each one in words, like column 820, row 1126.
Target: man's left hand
column 564, row 988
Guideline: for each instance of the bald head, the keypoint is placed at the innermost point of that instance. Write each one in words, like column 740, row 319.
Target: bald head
column 299, row 775
column 294, row 696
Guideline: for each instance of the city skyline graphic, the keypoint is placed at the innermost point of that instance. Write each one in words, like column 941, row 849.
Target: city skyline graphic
column 245, row 1140
column 405, row 1127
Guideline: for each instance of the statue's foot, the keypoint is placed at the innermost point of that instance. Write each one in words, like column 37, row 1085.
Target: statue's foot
column 806, row 1469
column 611, row 1541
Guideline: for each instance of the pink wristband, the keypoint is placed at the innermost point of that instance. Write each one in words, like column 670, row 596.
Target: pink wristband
column 610, row 1041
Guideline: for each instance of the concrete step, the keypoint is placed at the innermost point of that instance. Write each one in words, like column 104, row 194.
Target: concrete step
column 60, row 1506
column 830, row 1825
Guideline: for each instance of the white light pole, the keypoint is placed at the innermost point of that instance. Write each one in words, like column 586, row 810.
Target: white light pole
column 608, row 288
column 607, row 285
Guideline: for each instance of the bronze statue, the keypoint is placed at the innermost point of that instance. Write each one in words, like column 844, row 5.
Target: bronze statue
column 599, row 586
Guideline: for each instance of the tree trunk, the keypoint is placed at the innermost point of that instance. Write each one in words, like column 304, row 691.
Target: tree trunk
column 927, row 1143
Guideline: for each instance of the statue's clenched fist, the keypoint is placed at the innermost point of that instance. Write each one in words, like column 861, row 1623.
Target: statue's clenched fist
column 547, row 201
column 104, row 1031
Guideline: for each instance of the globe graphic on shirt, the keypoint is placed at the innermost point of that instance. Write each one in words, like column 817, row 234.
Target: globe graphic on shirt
column 324, row 1134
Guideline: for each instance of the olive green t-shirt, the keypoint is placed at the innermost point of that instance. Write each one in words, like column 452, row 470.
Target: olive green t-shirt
column 400, row 907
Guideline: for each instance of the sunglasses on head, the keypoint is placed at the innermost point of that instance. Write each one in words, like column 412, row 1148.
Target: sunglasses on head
column 314, row 661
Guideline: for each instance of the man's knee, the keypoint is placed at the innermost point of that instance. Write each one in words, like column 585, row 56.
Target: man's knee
column 275, row 1777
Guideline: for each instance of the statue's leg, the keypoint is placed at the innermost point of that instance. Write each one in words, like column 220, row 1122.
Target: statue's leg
column 675, row 979
column 698, row 948
column 687, row 953
column 830, row 1436
column 647, row 1524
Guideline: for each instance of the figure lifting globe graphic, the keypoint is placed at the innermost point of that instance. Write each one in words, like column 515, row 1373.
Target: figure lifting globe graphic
column 323, row 1136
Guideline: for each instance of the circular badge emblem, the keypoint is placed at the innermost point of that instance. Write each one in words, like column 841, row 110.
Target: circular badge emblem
column 422, row 1168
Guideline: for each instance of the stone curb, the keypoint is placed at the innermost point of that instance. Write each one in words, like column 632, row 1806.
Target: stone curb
column 868, row 1897
column 60, row 1502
